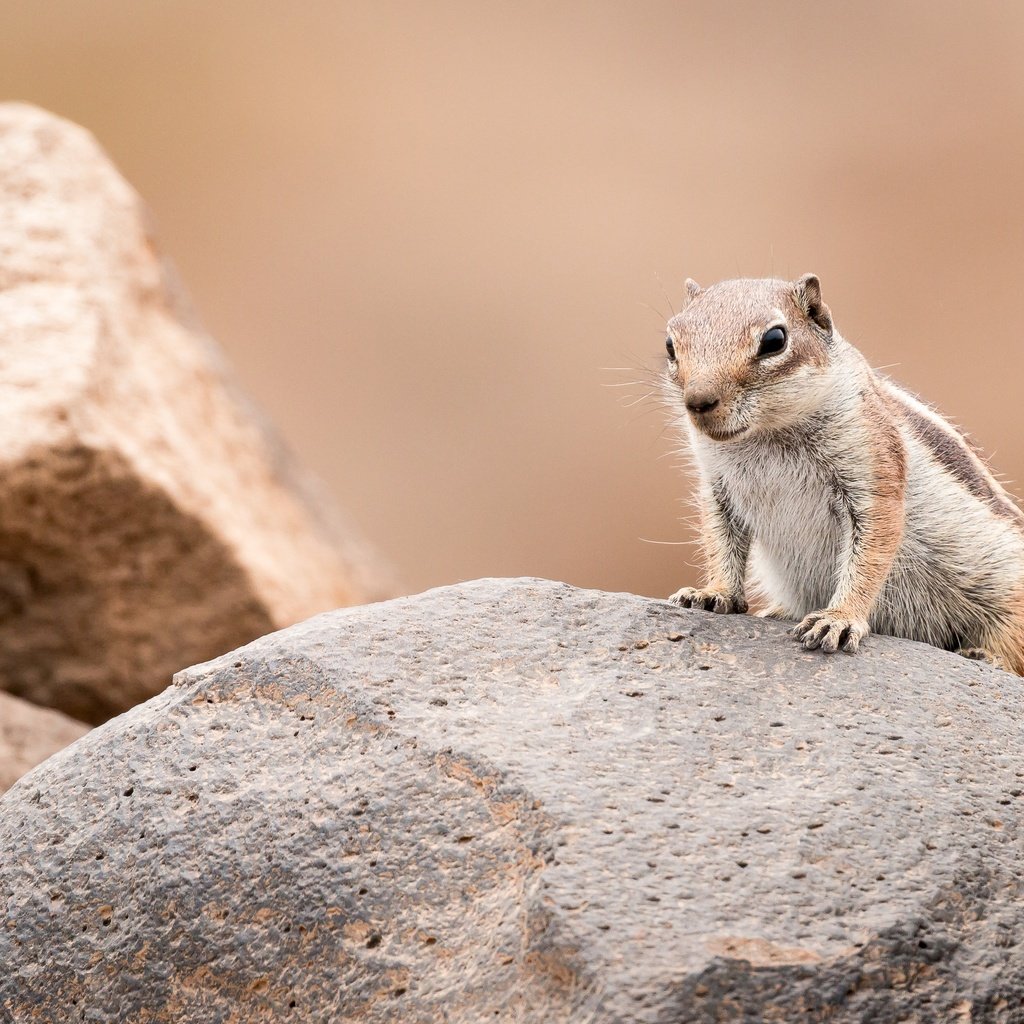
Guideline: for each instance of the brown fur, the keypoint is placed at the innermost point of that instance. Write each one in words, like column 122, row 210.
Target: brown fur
column 882, row 521
column 953, row 451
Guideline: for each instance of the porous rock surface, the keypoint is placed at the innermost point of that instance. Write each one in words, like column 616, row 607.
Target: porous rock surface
column 513, row 800
column 148, row 517
column 29, row 735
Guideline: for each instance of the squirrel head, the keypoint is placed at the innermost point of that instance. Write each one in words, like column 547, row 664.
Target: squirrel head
column 750, row 355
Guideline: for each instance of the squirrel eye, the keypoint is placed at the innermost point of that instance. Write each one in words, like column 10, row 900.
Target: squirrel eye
column 671, row 351
column 773, row 341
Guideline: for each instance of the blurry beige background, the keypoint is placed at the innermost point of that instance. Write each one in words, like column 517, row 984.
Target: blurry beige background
column 423, row 230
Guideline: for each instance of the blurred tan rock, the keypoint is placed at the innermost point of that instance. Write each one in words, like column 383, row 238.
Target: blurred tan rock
column 29, row 735
column 149, row 518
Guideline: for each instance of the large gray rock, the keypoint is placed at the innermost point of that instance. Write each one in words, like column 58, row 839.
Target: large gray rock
column 149, row 517
column 518, row 801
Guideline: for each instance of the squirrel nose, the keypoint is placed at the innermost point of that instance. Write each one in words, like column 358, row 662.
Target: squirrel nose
column 700, row 403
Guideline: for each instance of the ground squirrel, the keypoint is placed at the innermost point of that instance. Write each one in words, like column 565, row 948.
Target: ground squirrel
column 851, row 505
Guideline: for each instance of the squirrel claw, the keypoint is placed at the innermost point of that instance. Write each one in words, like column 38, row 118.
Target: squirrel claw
column 980, row 654
column 709, row 600
column 830, row 630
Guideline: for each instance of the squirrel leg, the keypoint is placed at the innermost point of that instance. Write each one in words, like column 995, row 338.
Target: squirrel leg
column 872, row 496
column 871, row 501
column 726, row 547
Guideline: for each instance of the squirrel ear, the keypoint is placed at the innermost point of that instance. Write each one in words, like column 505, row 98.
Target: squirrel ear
column 808, row 297
column 692, row 289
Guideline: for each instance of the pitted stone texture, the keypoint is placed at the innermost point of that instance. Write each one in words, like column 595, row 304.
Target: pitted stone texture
column 29, row 735
column 514, row 800
column 149, row 518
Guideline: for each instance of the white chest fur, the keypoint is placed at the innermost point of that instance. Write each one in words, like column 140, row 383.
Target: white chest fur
column 784, row 498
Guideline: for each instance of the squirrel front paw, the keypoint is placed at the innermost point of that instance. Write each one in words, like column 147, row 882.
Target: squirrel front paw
column 709, row 600
column 831, row 629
